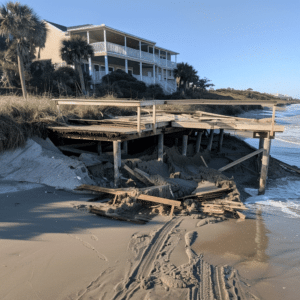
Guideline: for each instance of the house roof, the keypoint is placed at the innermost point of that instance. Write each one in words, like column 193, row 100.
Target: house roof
column 60, row 27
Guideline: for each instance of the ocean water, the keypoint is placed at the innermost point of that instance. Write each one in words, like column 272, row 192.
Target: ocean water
column 282, row 194
column 280, row 209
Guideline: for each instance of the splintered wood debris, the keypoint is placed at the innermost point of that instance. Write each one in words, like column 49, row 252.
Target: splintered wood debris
column 208, row 200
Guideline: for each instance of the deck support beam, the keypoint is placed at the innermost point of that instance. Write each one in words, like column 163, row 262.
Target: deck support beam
column 221, row 140
column 125, row 147
column 99, row 148
column 117, row 162
column 139, row 120
column 160, row 148
column 154, row 118
column 210, row 141
column 198, row 141
column 264, row 166
column 184, row 144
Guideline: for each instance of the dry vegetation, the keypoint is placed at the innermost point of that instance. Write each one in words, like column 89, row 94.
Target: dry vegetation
column 21, row 119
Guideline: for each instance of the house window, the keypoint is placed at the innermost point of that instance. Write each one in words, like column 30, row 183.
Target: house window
column 102, row 68
column 110, row 69
column 130, row 72
column 96, row 68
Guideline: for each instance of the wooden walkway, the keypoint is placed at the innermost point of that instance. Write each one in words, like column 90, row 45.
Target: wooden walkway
column 149, row 122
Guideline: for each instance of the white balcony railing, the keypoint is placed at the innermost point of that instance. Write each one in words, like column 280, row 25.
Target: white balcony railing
column 133, row 53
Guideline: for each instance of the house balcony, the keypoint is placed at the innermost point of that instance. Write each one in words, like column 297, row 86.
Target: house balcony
column 130, row 53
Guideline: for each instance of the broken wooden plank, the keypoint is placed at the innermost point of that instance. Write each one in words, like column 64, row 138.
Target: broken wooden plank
column 142, row 173
column 100, row 189
column 241, row 215
column 211, row 210
column 241, row 160
column 243, row 166
column 102, row 213
column 138, row 176
column 74, row 150
column 203, row 161
column 215, row 190
column 159, row 200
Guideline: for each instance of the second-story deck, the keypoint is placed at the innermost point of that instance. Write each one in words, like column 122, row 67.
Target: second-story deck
column 122, row 51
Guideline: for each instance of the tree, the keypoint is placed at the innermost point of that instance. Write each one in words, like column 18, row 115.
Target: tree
column 73, row 51
column 24, row 32
column 185, row 74
column 203, row 84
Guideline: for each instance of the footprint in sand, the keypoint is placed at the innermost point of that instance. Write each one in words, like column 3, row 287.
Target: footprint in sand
column 93, row 237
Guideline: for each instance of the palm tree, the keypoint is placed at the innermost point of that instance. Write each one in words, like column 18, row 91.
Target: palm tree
column 73, row 51
column 203, row 84
column 23, row 28
column 185, row 74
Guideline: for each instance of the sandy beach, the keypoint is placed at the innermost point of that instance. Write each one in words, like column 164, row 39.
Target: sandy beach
column 52, row 248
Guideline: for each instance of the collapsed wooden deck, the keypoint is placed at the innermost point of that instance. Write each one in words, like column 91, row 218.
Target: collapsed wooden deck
column 150, row 122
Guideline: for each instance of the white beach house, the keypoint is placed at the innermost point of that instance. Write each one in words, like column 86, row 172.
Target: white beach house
column 113, row 50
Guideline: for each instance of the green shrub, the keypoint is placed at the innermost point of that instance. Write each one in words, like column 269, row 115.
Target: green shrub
column 117, row 76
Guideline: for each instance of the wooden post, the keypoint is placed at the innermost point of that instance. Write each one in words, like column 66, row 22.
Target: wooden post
column 57, row 107
column 139, row 120
column 198, row 141
column 210, row 141
column 184, row 144
column 117, row 161
column 160, row 147
column 221, row 140
column 99, row 148
column 264, row 166
column 154, row 118
column 125, row 147
column 259, row 156
column 273, row 120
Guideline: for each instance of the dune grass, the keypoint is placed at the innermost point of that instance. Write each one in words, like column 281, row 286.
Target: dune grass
column 21, row 119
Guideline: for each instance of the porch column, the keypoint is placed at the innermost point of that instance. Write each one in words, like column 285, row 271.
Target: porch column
column 166, row 72
column 88, row 37
column 166, row 58
column 140, row 46
column 90, row 59
column 106, row 64
column 126, row 61
column 125, row 44
column 176, row 58
column 105, row 50
column 154, row 74
column 141, row 71
column 104, row 34
column 90, row 68
column 153, row 54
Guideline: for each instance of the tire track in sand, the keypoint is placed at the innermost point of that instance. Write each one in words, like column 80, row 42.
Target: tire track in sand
column 145, row 264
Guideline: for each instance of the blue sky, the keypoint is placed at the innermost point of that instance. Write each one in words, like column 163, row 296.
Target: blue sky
column 236, row 43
